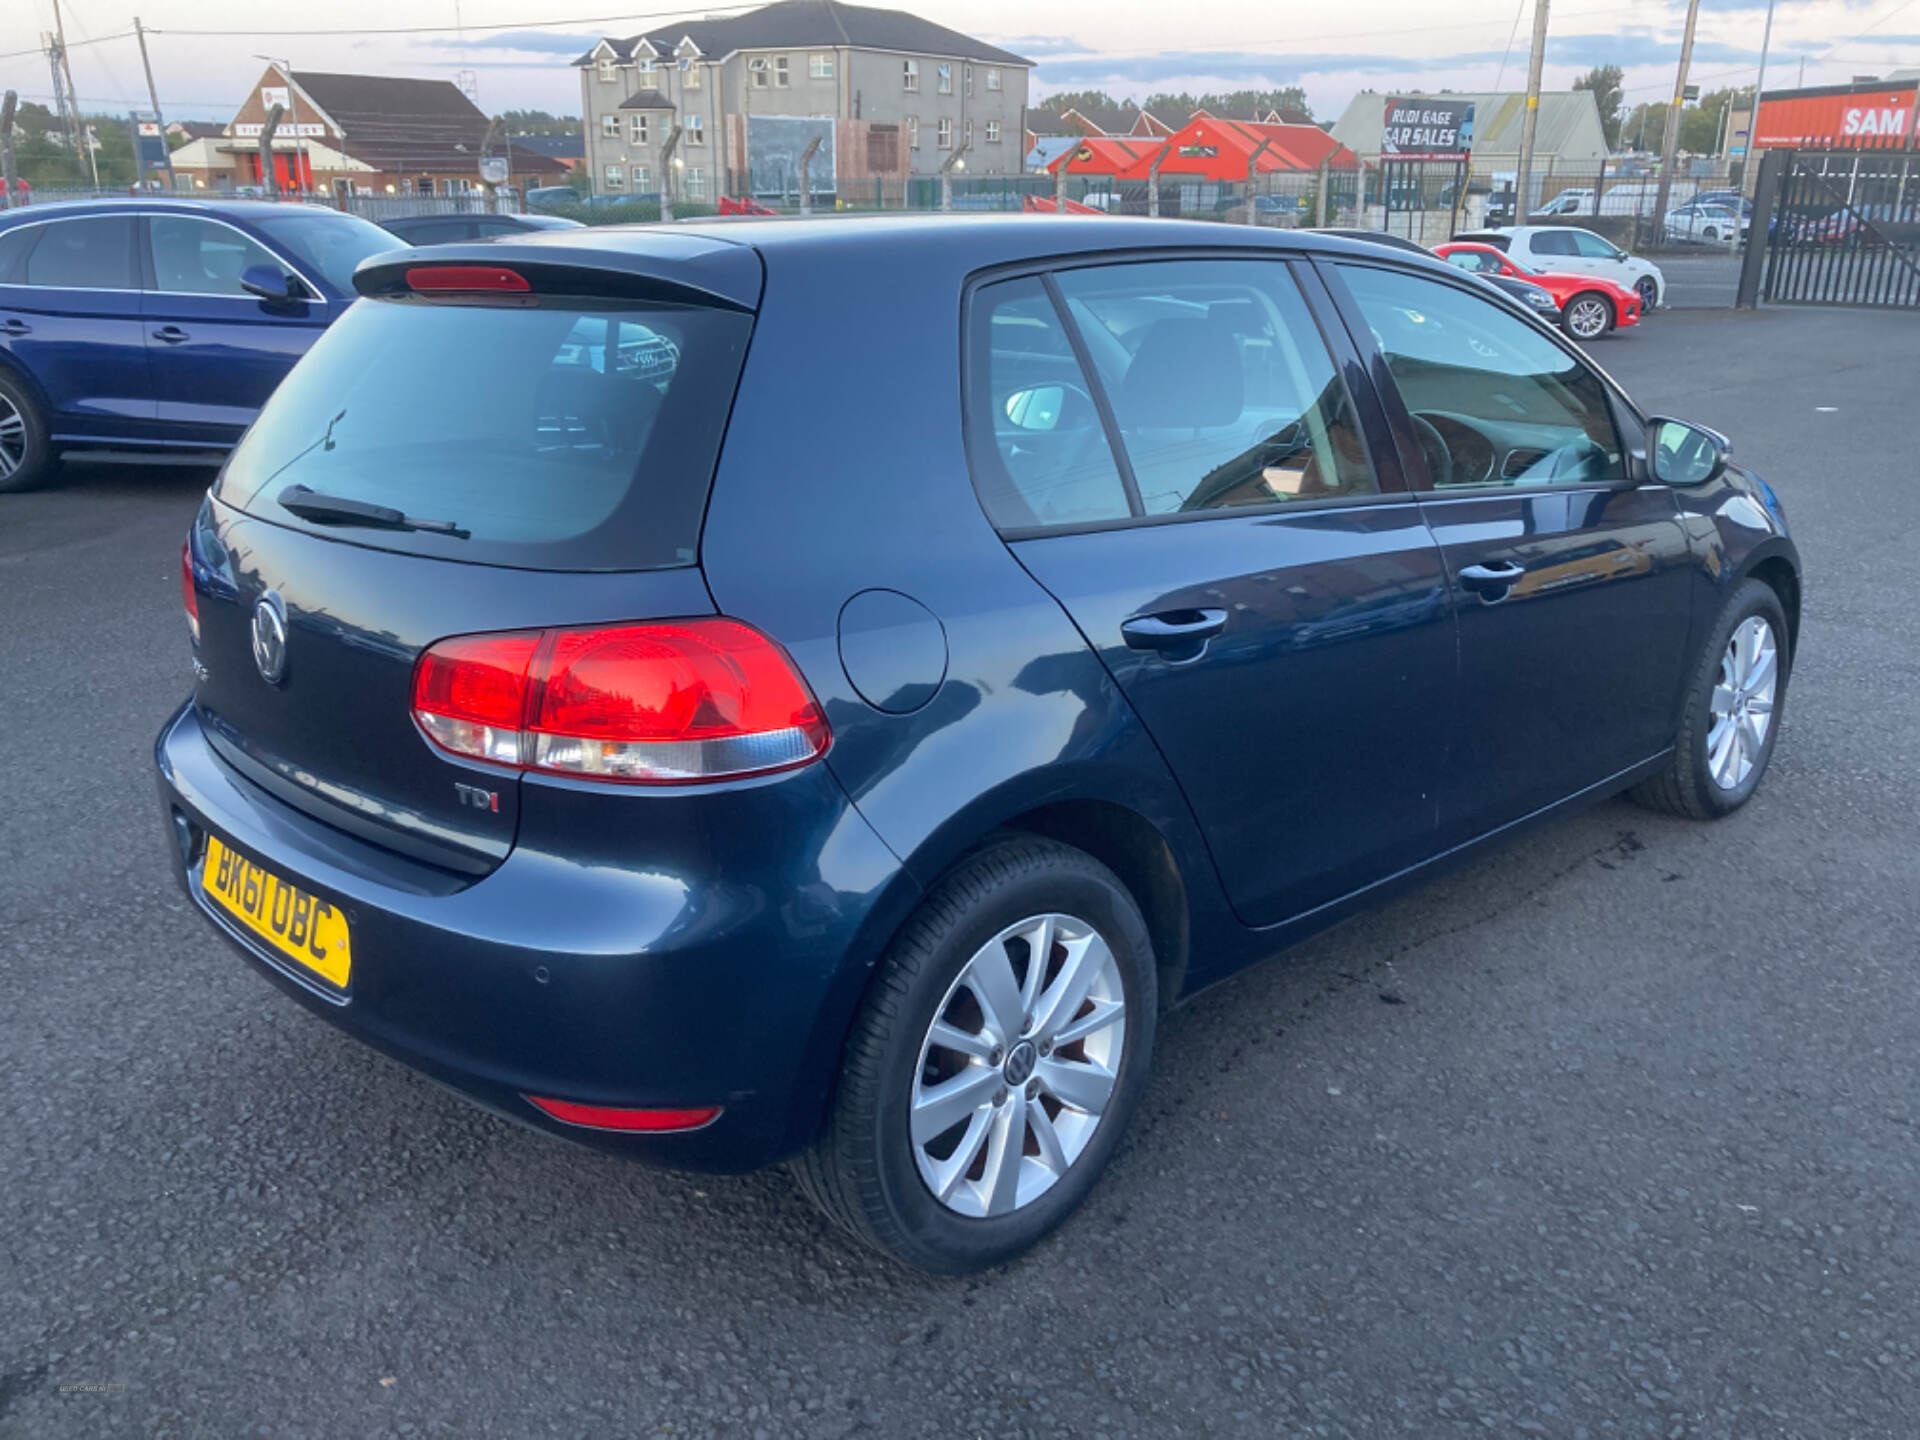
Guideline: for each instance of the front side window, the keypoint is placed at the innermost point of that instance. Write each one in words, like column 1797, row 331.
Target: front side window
column 198, row 257
column 1478, row 261
column 616, row 177
column 946, row 79
column 1040, row 455
column 820, row 67
column 95, row 253
column 1590, row 246
column 910, row 74
column 1223, row 389
column 1494, row 400
column 609, row 127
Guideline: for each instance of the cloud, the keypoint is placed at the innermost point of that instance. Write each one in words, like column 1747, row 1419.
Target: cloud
column 1036, row 45
column 534, row 42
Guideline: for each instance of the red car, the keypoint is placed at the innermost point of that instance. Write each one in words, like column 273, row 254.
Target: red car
column 1590, row 306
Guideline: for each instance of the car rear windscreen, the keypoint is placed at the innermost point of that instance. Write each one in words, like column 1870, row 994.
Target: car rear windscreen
column 550, row 433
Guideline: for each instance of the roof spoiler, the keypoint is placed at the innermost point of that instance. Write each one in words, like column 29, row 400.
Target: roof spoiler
column 636, row 265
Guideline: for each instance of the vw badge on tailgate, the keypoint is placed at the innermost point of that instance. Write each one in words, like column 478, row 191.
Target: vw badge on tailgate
column 270, row 637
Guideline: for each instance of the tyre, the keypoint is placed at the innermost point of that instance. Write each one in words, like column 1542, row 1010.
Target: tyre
column 26, row 457
column 1711, row 234
column 996, row 1060
column 1649, row 295
column 1588, row 315
column 1731, row 715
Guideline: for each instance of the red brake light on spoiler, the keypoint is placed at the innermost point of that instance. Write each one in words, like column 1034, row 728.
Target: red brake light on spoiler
column 467, row 279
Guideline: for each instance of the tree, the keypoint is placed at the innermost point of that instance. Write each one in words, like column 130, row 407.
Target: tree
column 538, row 122
column 1081, row 100
column 1605, row 83
column 1235, row 104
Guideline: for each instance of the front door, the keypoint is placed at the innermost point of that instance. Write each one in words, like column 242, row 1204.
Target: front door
column 1570, row 579
column 70, row 314
column 1177, row 459
column 216, row 352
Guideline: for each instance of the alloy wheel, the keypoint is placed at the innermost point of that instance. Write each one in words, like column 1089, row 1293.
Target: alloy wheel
column 1588, row 318
column 13, row 438
column 1649, row 294
column 1742, row 703
column 1018, row 1065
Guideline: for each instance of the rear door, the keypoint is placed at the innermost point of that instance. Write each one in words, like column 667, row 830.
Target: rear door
column 573, row 477
column 70, row 314
column 215, row 352
column 1175, row 454
column 1553, row 249
column 1571, row 579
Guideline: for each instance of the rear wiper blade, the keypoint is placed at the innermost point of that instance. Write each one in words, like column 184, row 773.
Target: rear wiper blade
column 311, row 504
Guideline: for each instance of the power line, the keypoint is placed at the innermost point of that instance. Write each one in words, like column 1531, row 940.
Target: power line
column 701, row 13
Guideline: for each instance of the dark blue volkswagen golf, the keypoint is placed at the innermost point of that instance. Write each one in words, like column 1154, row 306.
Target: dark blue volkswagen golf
column 817, row 691
column 159, row 324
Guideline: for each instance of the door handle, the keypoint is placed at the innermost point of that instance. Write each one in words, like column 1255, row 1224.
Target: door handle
column 1172, row 629
column 1487, row 578
column 170, row 335
column 13, row 326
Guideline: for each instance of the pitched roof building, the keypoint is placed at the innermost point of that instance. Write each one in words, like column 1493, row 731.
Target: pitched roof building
column 725, row 105
column 1569, row 133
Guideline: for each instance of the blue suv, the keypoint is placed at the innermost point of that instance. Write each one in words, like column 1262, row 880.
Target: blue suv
column 816, row 690
column 158, row 324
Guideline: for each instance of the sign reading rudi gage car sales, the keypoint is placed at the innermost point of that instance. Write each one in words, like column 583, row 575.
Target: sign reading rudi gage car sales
column 1423, row 128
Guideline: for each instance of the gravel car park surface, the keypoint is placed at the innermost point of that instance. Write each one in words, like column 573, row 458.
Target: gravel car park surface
column 1616, row 1131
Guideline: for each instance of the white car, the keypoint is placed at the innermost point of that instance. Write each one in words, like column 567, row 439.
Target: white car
column 1569, row 250
column 1711, row 224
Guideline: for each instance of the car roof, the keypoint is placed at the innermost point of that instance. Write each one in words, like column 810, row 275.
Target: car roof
column 107, row 205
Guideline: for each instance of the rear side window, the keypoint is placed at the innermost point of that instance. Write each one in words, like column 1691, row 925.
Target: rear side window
column 1223, row 390
column 562, row 434
column 91, row 253
column 1553, row 242
column 15, row 245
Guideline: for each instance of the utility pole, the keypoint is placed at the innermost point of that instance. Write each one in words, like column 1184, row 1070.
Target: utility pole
column 73, row 96
column 1751, row 172
column 7, row 107
column 153, row 96
column 267, row 177
column 1670, row 148
column 1530, row 122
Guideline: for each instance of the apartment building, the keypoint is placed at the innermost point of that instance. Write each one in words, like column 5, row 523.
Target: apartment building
column 889, row 94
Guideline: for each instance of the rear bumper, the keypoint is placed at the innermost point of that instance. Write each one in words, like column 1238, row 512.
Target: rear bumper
column 704, row 947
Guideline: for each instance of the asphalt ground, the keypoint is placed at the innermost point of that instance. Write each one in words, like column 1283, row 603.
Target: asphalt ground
column 1616, row 1132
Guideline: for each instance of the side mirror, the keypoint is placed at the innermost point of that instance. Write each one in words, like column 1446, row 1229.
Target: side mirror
column 271, row 283
column 1050, row 407
column 1685, row 454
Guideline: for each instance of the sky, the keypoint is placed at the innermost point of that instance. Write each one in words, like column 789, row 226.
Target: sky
column 515, row 53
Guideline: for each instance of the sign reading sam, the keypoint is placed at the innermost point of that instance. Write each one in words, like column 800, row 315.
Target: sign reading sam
column 1427, row 128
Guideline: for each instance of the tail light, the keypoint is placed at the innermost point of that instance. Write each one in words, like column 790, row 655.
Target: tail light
column 610, row 1117
column 187, row 595
column 668, row 702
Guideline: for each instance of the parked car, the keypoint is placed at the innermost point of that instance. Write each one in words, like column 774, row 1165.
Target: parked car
column 1535, row 298
column 632, row 751
column 158, row 324
column 540, row 197
column 1567, row 249
column 1587, row 306
column 1729, row 199
column 1705, row 224
column 443, row 229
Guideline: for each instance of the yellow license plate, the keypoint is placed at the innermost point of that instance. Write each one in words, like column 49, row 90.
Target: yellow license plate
column 304, row 929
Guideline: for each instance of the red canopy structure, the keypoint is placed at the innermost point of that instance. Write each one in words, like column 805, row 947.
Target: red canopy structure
column 1128, row 158
column 1043, row 205
column 1223, row 149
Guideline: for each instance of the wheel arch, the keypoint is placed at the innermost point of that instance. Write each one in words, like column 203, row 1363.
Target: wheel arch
column 1779, row 574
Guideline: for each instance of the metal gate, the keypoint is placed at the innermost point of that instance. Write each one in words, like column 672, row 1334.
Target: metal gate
column 1843, row 228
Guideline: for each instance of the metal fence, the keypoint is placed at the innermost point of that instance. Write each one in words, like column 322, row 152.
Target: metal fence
column 1843, row 228
column 371, row 206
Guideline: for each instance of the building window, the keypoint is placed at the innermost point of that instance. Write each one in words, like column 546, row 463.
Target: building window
column 993, row 79
column 642, row 178
column 757, row 68
column 637, row 129
column 969, row 134
column 946, row 133
column 969, row 75
column 646, row 67
column 993, row 132
column 780, row 77
column 913, row 132
column 945, row 72
column 690, row 74
column 820, row 67
column 696, row 130
column 696, row 183
column 616, row 177
column 609, row 71
column 909, row 74
column 609, row 127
